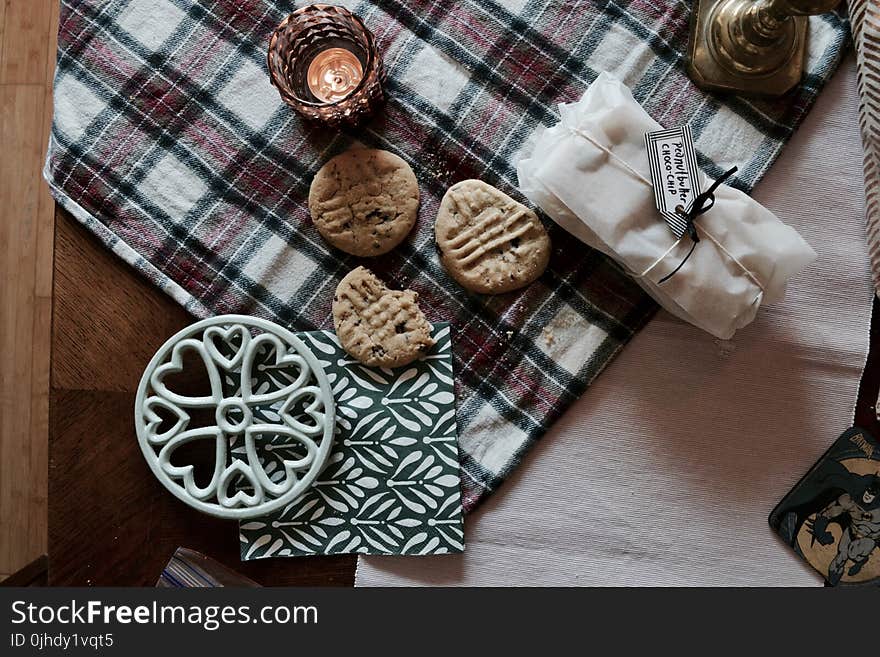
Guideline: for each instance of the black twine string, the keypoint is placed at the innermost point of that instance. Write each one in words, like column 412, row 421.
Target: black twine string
column 701, row 205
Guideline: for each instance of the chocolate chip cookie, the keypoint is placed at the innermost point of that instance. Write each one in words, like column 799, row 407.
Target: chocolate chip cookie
column 377, row 326
column 488, row 242
column 364, row 201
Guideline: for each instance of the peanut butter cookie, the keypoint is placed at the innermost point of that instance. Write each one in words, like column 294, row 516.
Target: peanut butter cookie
column 364, row 201
column 488, row 242
column 377, row 326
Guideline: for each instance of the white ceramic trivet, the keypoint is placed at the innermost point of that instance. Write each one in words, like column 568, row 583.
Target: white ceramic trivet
column 273, row 416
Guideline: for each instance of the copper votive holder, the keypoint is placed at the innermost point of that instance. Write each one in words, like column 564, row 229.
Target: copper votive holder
column 304, row 39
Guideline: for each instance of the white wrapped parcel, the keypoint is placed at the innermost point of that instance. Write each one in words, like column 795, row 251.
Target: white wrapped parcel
column 590, row 174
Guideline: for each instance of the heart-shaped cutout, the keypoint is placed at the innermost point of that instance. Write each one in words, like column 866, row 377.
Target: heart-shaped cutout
column 187, row 472
column 293, row 408
column 235, row 470
column 175, row 365
column 267, row 364
column 153, row 406
column 233, row 340
column 289, row 438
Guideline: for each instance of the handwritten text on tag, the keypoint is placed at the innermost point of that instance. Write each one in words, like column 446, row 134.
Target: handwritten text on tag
column 674, row 173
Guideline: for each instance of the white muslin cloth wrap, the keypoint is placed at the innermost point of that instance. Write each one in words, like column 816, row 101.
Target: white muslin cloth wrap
column 590, row 174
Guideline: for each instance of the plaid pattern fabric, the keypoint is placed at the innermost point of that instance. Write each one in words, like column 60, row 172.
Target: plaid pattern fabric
column 170, row 144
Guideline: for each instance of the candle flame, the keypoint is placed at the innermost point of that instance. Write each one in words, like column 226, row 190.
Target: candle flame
column 333, row 74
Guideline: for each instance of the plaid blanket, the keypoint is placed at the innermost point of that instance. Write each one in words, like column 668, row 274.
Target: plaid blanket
column 170, row 144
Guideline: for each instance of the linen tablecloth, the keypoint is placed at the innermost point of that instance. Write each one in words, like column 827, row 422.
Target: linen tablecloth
column 664, row 474
column 171, row 145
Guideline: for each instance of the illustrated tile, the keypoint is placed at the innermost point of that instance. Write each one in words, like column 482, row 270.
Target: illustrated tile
column 392, row 483
column 830, row 517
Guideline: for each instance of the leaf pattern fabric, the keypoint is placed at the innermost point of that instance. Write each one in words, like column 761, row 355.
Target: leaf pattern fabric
column 392, row 484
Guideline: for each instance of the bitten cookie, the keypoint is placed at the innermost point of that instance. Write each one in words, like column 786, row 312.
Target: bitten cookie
column 378, row 326
column 488, row 242
column 364, row 201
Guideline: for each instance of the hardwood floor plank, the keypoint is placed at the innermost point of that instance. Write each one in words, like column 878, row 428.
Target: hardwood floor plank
column 46, row 223
column 42, row 319
column 128, row 539
column 28, row 41
column 2, row 25
column 21, row 141
column 34, row 573
column 129, row 320
column 24, row 41
column 38, row 454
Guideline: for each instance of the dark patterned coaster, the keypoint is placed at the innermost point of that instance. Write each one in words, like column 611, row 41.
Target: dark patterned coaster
column 831, row 518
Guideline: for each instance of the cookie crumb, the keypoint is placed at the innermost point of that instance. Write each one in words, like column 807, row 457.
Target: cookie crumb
column 549, row 338
column 725, row 348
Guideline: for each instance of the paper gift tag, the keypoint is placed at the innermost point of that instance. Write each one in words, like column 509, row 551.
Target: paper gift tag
column 831, row 518
column 392, row 483
column 674, row 174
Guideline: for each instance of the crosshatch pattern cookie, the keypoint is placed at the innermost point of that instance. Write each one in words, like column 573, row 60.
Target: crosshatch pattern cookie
column 377, row 326
column 364, row 201
column 488, row 242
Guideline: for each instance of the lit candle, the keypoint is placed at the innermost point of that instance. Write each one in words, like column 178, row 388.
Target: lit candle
column 333, row 74
column 341, row 85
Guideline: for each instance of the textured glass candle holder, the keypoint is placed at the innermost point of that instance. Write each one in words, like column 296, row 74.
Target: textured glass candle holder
column 264, row 415
column 304, row 41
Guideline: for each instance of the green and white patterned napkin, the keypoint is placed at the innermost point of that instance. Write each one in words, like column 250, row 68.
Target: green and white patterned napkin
column 392, row 483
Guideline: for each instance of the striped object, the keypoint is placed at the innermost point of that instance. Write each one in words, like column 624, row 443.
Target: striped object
column 674, row 211
column 865, row 17
column 188, row 569
column 170, row 144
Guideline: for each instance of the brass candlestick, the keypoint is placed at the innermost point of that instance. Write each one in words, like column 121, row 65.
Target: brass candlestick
column 751, row 46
